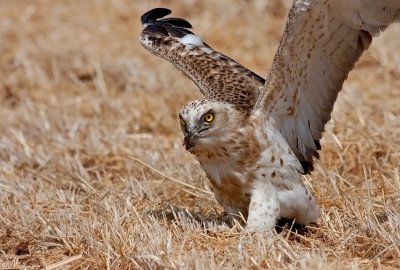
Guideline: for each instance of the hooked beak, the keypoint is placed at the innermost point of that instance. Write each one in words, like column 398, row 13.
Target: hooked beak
column 192, row 138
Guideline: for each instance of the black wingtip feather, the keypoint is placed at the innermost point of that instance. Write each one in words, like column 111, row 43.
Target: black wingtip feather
column 317, row 144
column 154, row 14
column 175, row 27
column 308, row 166
column 177, row 22
column 152, row 18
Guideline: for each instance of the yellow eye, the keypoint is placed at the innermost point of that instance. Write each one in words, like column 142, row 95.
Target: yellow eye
column 208, row 117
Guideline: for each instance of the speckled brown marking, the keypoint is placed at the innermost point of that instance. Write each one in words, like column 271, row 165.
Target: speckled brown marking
column 218, row 76
column 290, row 111
column 293, row 70
column 300, row 89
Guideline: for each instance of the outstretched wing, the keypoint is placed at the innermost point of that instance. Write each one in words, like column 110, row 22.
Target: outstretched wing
column 322, row 41
column 218, row 76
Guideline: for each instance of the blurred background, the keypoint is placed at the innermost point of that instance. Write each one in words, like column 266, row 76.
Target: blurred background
column 88, row 118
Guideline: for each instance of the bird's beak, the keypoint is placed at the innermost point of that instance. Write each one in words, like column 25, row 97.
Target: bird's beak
column 190, row 140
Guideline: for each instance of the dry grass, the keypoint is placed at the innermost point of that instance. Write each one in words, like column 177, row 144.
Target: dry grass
column 92, row 171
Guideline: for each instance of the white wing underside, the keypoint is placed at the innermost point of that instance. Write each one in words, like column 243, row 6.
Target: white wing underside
column 321, row 43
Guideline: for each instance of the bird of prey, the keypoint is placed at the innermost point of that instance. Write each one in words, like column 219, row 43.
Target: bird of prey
column 255, row 137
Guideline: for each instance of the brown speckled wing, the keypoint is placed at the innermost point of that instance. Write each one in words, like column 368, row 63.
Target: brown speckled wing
column 218, row 76
column 322, row 41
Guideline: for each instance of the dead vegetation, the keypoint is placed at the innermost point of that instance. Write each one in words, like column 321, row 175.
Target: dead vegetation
column 93, row 174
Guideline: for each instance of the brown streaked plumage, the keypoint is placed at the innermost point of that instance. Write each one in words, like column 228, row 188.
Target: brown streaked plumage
column 254, row 138
column 217, row 76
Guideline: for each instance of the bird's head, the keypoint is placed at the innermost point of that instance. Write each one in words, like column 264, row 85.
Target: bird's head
column 205, row 123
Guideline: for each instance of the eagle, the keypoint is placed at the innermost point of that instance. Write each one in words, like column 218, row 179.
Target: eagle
column 255, row 137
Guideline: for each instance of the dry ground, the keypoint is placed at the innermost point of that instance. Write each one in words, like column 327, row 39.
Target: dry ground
column 92, row 171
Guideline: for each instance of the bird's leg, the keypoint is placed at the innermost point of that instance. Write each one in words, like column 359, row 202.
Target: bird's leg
column 264, row 209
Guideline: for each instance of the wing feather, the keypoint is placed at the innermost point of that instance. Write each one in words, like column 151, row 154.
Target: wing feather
column 322, row 41
column 218, row 76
